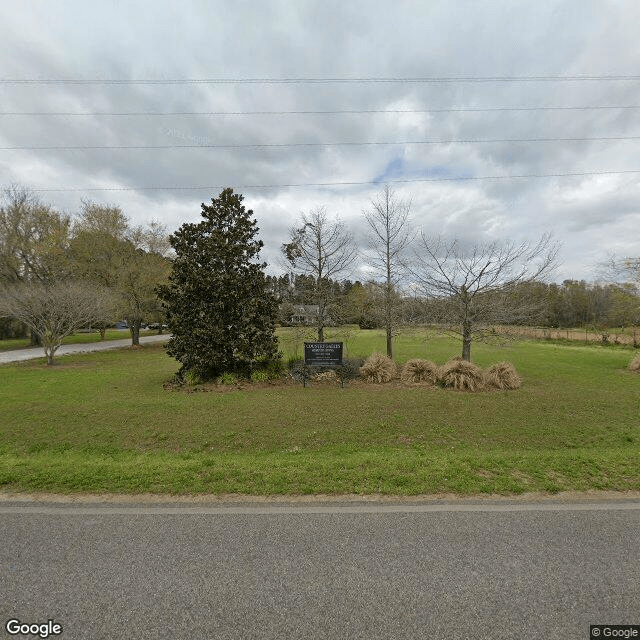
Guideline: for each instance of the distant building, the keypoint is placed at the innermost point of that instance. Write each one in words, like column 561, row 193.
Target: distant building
column 304, row 314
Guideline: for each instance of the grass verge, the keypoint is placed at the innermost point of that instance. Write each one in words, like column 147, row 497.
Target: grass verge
column 383, row 470
column 102, row 422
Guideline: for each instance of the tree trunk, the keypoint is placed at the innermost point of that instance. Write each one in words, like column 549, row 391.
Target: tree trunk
column 103, row 331
column 135, row 334
column 49, row 351
column 466, row 341
column 389, row 343
column 320, row 333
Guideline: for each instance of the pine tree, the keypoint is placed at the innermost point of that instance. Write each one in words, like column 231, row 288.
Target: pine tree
column 219, row 311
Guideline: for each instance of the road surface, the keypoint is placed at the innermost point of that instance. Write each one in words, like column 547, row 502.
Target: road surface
column 467, row 569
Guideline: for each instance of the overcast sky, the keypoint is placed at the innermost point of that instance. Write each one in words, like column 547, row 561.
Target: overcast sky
column 510, row 45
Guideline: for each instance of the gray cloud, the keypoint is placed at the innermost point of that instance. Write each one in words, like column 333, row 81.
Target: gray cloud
column 592, row 215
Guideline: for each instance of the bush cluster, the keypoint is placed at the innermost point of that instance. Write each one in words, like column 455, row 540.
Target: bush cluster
column 456, row 374
column 634, row 365
column 418, row 370
column 378, row 368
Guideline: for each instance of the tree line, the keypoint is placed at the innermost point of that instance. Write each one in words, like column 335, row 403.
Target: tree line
column 59, row 273
column 49, row 259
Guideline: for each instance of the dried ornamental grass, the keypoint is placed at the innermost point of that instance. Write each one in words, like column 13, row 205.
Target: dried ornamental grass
column 378, row 368
column 634, row 365
column 462, row 375
column 418, row 370
column 502, row 376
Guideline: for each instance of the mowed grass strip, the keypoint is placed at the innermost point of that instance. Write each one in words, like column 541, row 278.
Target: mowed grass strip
column 103, row 423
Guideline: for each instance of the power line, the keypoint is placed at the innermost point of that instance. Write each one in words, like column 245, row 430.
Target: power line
column 379, row 80
column 283, row 145
column 351, row 183
column 280, row 113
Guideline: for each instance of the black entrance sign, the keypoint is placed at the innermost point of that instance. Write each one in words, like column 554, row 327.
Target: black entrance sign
column 324, row 354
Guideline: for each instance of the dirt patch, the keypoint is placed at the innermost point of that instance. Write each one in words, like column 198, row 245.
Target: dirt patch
column 147, row 498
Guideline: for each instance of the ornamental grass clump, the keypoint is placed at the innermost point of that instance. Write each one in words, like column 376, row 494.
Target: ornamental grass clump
column 634, row 365
column 502, row 376
column 462, row 375
column 418, row 370
column 378, row 368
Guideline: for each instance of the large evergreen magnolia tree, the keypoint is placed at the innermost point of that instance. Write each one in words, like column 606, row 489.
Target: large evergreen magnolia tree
column 219, row 311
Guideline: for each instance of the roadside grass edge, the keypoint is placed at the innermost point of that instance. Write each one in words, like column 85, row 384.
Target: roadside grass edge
column 378, row 470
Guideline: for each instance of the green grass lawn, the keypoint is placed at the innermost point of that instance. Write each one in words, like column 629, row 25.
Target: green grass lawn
column 103, row 423
column 76, row 338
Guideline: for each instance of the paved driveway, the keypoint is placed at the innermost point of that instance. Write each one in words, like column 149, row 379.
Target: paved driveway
column 38, row 352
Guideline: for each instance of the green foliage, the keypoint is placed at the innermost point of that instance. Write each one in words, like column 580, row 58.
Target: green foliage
column 192, row 378
column 288, row 440
column 219, row 311
column 228, row 378
column 260, row 376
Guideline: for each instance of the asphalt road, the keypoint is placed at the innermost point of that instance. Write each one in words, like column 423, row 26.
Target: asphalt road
column 469, row 570
column 38, row 352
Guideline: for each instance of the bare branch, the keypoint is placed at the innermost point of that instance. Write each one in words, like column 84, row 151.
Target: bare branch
column 479, row 286
column 54, row 311
column 323, row 249
column 390, row 235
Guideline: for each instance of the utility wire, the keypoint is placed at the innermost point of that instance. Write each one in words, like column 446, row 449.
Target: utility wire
column 379, row 80
column 314, row 144
column 351, row 183
column 286, row 113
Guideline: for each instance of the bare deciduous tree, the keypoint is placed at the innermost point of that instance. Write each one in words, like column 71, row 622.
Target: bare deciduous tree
column 55, row 310
column 622, row 271
column 323, row 249
column 469, row 289
column 388, row 220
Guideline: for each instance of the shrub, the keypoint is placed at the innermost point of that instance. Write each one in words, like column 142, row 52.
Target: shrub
column 378, row 368
column 349, row 370
column 634, row 365
column 192, row 378
column 300, row 372
column 462, row 375
column 418, row 370
column 260, row 376
column 275, row 369
column 228, row 378
column 502, row 376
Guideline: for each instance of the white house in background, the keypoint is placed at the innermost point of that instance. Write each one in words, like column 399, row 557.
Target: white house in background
column 304, row 313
